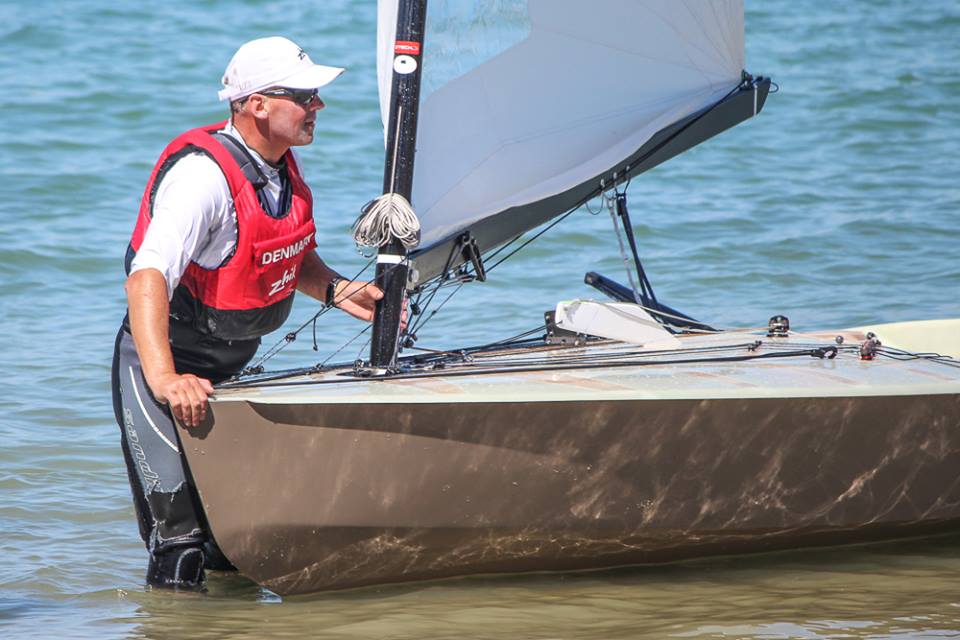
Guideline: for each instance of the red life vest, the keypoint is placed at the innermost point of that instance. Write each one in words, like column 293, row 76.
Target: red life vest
column 251, row 293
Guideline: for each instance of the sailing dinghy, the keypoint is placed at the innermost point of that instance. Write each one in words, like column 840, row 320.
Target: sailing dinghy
column 619, row 432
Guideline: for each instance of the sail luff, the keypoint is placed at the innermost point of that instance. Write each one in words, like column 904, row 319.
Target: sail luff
column 398, row 172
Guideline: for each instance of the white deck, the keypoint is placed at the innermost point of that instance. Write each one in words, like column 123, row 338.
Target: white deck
column 799, row 376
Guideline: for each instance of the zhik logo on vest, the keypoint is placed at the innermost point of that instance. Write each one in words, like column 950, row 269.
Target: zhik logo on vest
column 286, row 279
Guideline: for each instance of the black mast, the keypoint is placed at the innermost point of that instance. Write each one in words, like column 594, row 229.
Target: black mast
column 398, row 174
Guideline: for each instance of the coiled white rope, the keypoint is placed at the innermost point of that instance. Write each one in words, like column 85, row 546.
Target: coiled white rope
column 385, row 218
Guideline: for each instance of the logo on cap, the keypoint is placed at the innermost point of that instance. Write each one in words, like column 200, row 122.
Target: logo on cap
column 302, row 54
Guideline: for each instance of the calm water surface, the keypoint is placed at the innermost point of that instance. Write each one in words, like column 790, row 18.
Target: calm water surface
column 839, row 205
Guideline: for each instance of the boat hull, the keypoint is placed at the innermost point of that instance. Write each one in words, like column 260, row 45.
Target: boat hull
column 306, row 497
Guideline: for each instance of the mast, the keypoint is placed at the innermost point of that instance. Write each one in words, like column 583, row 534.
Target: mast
column 398, row 174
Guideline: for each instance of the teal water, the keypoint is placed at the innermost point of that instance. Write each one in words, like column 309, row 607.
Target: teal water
column 839, row 205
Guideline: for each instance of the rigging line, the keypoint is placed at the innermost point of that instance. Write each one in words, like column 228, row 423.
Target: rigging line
column 692, row 331
column 906, row 356
column 519, row 336
column 510, row 365
column 344, row 346
column 888, row 352
column 574, row 364
column 586, row 204
column 365, row 348
column 469, row 371
column 619, row 204
column 632, row 353
column 425, row 318
column 436, row 352
column 423, row 309
column 445, row 301
column 599, row 190
column 540, row 233
column 624, row 214
column 415, row 311
column 257, row 366
column 452, row 282
column 633, row 319
column 396, row 337
column 300, row 371
column 337, row 300
column 490, row 350
column 259, row 378
column 445, row 284
column 611, row 202
column 292, row 335
column 471, row 351
column 503, row 246
column 496, row 359
column 702, row 349
column 898, row 354
column 611, row 357
column 441, row 281
column 412, row 330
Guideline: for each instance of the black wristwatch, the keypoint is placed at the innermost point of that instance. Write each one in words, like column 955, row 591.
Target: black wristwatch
column 332, row 291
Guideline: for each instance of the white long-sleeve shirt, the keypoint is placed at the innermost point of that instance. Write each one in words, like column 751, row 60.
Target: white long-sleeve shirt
column 194, row 218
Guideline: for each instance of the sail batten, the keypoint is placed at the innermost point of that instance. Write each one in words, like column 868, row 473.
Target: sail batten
column 526, row 100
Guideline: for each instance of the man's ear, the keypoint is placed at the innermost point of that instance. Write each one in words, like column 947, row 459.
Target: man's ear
column 257, row 106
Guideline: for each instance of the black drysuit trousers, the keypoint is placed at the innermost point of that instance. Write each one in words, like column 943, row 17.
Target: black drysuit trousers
column 167, row 506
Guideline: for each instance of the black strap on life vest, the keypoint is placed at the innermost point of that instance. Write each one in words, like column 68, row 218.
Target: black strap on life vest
column 251, row 171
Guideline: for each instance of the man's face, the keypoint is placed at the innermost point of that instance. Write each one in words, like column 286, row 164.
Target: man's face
column 292, row 122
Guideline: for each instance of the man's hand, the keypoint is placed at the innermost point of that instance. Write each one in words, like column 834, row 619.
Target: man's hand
column 186, row 394
column 357, row 298
column 149, row 320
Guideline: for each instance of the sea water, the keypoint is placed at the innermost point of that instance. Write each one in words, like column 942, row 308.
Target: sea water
column 839, row 205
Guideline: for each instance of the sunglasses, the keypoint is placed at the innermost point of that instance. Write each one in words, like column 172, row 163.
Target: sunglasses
column 303, row 97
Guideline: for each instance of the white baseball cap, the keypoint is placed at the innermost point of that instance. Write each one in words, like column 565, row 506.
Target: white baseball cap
column 272, row 62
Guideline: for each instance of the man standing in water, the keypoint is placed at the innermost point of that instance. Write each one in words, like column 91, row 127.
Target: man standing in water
column 224, row 236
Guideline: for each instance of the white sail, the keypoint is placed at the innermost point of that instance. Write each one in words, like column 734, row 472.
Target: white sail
column 524, row 99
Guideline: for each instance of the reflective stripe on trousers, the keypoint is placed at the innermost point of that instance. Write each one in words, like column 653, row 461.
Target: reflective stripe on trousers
column 165, row 501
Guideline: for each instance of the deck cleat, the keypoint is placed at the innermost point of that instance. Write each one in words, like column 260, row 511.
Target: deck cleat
column 778, row 327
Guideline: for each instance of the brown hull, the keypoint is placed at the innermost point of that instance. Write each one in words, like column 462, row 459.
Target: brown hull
column 311, row 497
